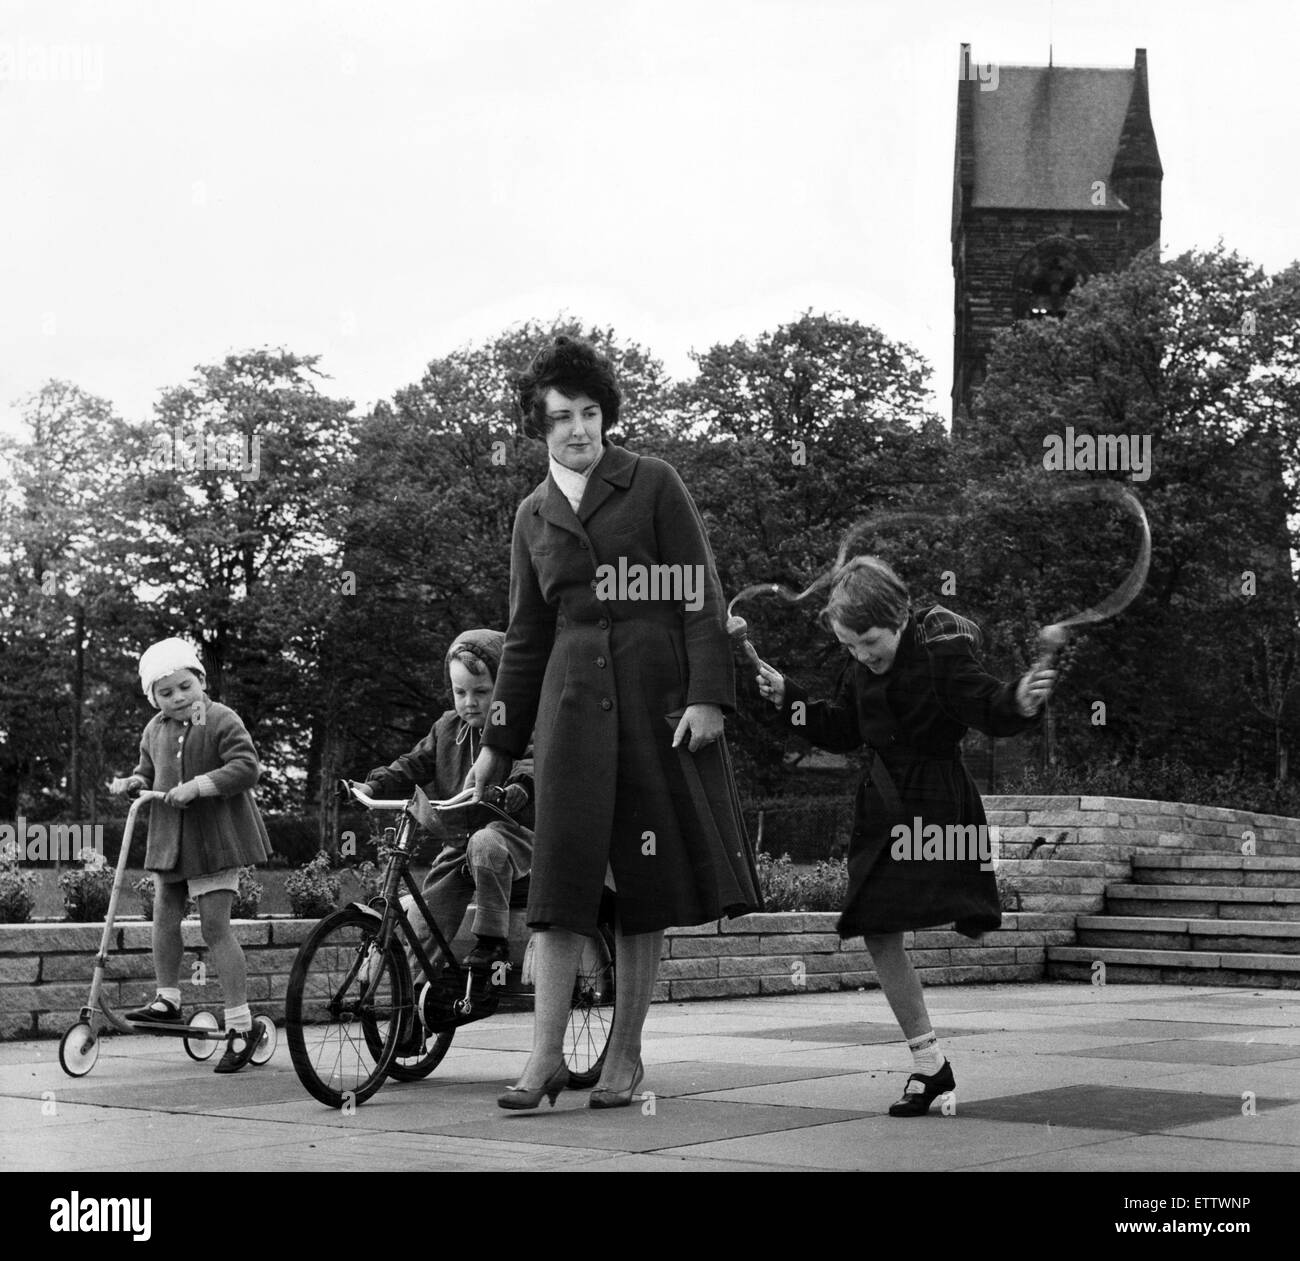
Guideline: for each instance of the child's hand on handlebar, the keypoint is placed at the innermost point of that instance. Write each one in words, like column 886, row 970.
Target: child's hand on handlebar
column 490, row 767
column 124, row 784
column 182, row 795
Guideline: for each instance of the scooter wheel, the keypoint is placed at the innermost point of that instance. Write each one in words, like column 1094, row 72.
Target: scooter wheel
column 202, row 1048
column 78, row 1050
column 266, row 1042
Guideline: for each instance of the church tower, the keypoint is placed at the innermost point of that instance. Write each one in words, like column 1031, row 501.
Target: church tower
column 1057, row 177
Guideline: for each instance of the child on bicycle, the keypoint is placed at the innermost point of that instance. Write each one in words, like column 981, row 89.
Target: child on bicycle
column 486, row 863
column 200, row 754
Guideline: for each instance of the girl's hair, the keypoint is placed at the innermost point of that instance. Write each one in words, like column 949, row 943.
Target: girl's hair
column 866, row 593
column 472, row 660
column 573, row 367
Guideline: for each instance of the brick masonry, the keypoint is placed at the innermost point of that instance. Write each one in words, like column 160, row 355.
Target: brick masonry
column 1056, row 855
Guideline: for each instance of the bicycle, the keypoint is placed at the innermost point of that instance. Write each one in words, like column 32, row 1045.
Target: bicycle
column 352, row 1016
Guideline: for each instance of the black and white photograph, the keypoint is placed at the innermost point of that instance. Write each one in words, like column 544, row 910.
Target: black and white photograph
column 649, row 588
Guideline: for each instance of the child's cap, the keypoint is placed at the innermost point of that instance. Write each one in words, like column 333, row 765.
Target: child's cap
column 164, row 658
column 486, row 645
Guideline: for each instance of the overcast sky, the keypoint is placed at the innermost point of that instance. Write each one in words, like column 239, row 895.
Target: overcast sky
column 382, row 183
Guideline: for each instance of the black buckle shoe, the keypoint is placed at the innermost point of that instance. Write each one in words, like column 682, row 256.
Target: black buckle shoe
column 917, row 1103
column 157, row 1012
column 232, row 1061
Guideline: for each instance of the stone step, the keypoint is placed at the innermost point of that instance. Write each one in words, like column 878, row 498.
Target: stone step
column 1168, row 933
column 1232, row 870
column 1134, row 966
column 1164, row 901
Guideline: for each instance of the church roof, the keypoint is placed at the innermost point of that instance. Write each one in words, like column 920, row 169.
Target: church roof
column 1045, row 134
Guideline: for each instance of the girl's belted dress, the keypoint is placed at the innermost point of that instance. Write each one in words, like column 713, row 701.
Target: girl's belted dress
column 918, row 817
column 616, row 625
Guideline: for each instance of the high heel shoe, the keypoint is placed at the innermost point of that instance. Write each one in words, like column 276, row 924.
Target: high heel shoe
column 602, row 1097
column 521, row 1099
column 917, row 1103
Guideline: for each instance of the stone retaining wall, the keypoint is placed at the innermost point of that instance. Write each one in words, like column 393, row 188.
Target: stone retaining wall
column 1079, row 845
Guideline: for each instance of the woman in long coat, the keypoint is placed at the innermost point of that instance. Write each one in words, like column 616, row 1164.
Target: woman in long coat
column 919, row 854
column 617, row 656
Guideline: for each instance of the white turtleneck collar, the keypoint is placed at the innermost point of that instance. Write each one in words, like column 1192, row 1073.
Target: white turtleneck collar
column 573, row 485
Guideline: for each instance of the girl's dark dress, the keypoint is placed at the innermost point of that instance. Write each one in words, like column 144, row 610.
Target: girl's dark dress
column 912, row 719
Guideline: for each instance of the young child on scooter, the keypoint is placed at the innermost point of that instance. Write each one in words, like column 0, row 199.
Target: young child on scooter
column 484, row 864
column 200, row 754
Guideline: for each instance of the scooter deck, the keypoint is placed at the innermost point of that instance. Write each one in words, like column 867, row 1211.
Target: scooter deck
column 200, row 1033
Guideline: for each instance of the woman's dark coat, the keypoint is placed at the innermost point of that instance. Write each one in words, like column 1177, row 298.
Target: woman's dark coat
column 912, row 718
column 600, row 682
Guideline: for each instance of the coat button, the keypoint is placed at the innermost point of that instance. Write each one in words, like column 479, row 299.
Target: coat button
column 600, row 661
column 604, row 621
column 606, row 703
column 582, row 543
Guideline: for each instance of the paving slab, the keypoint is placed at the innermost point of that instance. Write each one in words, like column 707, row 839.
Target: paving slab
column 1050, row 1076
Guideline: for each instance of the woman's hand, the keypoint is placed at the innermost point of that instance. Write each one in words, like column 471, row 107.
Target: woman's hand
column 182, row 795
column 1033, row 689
column 702, row 723
column 771, row 685
column 490, row 768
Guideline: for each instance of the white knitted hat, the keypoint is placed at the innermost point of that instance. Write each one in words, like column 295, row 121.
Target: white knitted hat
column 164, row 658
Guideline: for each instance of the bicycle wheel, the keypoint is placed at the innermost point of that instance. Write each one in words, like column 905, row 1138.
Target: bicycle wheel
column 591, row 1015
column 433, row 1046
column 338, row 987
column 412, row 1065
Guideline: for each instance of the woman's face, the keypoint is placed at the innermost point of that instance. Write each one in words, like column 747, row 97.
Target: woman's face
column 875, row 648
column 573, row 436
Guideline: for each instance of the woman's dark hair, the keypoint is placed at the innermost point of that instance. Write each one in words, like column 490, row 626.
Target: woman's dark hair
column 865, row 594
column 573, row 367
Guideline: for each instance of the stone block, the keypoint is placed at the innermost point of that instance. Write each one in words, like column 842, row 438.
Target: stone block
column 800, row 944
column 1073, row 818
column 995, row 802
column 16, row 1025
column 288, row 932
column 985, row 956
column 784, row 922
column 858, row 980
column 704, row 930
column 39, row 939
column 80, row 967
column 718, row 987
column 687, row 969
column 759, row 965
column 700, row 947
column 19, row 971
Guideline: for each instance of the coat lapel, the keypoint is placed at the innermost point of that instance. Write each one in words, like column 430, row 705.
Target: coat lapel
column 551, row 505
column 613, row 473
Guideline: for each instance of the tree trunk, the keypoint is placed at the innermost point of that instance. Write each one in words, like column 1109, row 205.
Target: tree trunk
column 78, row 704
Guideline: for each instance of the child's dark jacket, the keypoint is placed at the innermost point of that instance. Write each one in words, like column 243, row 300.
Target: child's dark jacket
column 912, row 718
column 212, row 833
column 439, row 765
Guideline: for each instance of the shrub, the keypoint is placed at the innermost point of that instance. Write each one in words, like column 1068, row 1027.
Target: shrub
column 17, row 896
column 808, row 827
column 785, row 888
column 248, row 896
column 312, row 890
column 86, row 892
column 292, row 837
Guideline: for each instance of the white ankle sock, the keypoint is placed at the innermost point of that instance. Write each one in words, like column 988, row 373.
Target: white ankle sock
column 240, row 1018
column 927, row 1058
column 172, row 995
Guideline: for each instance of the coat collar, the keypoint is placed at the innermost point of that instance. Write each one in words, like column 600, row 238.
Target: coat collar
column 613, row 472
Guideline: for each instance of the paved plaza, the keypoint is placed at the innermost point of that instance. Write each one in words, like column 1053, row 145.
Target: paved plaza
column 1051, row 1077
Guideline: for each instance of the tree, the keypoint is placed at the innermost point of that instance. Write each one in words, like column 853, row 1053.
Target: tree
column 1195, row 360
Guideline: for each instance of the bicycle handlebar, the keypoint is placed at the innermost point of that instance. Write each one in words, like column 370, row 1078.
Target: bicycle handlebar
column 357, row 792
